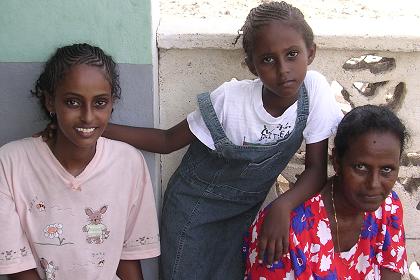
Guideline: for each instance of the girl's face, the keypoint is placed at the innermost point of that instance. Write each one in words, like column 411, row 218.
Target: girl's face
column 82, row 103
column 369, row 169
column 280, row 58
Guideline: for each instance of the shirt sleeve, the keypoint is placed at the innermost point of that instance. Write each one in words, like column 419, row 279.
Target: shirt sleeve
column 142, row 232
column 324, row 112
column 15, row 252
column 391, row 239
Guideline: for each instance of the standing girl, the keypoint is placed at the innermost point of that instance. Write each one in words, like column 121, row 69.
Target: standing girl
column 242, row 137
column 72, row 207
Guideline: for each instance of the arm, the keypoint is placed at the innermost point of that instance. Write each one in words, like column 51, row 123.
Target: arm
column 152, row 139
column 129, row 270
column 274, row 240
column 387, row 274
column 30, row 274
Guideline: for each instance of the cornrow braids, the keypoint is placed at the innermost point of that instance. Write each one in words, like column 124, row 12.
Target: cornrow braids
column 265, row 14
column 66, row 57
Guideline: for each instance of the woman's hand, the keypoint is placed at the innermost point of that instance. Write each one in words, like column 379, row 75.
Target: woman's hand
column 273, row 241
column 48, row 133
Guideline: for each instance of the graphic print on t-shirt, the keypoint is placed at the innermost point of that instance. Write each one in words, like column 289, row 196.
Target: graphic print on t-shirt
column 49, row 268
column 271, row 134
column 96, row 231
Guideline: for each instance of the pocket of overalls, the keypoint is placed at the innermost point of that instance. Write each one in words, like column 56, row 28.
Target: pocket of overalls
column 268, row 168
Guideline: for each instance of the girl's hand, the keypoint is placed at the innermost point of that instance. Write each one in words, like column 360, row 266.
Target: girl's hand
column 273, row 241
column 48, row 133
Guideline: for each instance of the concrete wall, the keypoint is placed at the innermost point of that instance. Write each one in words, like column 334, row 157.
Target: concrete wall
column 32, row 30
column 197, row 56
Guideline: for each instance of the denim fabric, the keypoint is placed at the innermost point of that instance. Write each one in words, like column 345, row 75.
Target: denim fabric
column 213, row 197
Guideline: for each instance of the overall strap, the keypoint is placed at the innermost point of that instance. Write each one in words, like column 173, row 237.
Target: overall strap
column 302, row 111
column 210, row 118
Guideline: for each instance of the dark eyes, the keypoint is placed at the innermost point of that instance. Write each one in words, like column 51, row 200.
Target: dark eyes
column 292, row 54
column 386, row 170
column 268, row 60
column 271, row 59
column 360, row 167
column 101, row 103
column 72, row 103
column 363, row 168
column 75, row 103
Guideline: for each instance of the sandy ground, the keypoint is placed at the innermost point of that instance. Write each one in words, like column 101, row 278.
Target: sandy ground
column 376, row 9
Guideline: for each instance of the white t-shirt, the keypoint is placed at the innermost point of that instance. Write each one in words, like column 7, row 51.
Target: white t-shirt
column 74, row 227
column 240, row 110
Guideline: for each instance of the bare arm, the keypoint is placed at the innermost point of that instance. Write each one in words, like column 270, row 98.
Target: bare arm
column 274, row 239
column 312, row 178
column 152, row 139
column 387, row 274
column 129, row 270
column 24, row 275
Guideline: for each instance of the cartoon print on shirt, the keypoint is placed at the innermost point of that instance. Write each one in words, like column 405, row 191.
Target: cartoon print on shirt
column 49, row 269
column 96, row 231
column 37, row 205
column 54, row 231
column 23, row 251
column 98, row 259
column 142, row 241
column 278, row 132
column 8, row 255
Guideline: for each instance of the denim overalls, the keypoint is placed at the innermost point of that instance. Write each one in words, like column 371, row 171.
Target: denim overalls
column 213, row 197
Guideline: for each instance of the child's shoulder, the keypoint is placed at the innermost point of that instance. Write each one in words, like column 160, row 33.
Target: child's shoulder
column 238, row 86
column 242, row 83
column 314, row 76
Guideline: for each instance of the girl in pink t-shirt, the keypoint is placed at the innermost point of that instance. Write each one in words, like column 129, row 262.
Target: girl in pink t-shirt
column 71, row 207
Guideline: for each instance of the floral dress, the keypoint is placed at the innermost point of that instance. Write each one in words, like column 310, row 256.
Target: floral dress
column 311, row 251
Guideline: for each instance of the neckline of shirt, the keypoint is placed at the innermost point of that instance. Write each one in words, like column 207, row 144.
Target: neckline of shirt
column 73, row 182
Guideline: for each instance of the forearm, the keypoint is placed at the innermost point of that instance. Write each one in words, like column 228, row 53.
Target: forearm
column 312, row 178
column 25, row 275
column 152, row 139
column 309, row 183
column 129, row 270
column 149, row 139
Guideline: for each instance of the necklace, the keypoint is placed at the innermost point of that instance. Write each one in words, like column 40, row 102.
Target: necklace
column 335, row 216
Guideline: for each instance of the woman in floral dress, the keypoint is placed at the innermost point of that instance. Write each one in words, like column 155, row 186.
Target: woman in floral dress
column 354, row 228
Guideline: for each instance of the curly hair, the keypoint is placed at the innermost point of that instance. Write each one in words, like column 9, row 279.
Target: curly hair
column 64, row 58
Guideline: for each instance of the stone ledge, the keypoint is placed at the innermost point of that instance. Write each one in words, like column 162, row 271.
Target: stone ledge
column 361, row 34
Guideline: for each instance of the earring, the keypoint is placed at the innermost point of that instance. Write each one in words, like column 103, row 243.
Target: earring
column 52, row 115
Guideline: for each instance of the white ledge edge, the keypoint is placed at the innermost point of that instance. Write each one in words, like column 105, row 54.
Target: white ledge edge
column 361, row 34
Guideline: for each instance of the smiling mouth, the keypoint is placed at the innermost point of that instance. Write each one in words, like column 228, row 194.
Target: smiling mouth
column 85, row 130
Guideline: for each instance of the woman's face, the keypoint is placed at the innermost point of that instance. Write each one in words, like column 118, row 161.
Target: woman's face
column 369, row 169
column 83, row 104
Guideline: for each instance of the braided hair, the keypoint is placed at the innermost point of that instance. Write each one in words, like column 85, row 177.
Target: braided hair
column 265, row 14
column 64, row 58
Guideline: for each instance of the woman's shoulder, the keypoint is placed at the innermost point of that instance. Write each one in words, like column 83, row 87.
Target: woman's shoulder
column 390, row 208
column 17, row 147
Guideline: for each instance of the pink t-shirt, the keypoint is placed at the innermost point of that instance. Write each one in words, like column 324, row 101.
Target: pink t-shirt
column 74, row 227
